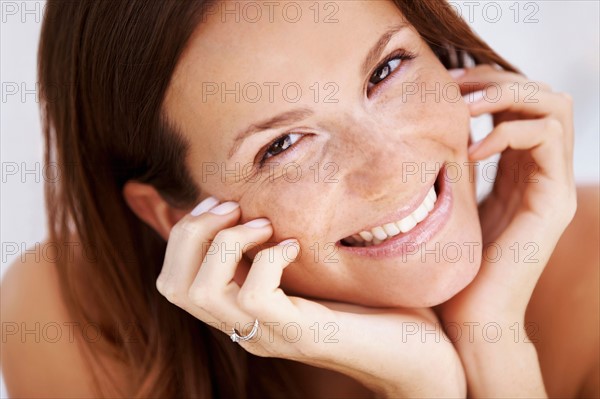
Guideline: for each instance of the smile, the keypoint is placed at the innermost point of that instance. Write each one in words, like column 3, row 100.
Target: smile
column 379, row 234
column 408, row 228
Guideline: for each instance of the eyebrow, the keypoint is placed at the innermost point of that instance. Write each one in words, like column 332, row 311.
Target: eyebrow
column 375, row 52
column 285, row 118
column 297, row 115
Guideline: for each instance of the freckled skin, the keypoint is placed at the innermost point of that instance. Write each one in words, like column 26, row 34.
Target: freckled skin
column 359, row 145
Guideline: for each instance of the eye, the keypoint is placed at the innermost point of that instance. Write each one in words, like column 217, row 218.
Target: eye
column 388, row 67
column 384, row 71
column 280, row 145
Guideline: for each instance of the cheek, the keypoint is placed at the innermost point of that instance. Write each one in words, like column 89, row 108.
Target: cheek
column 453, row 124
column 425, row 102
column 293, row 203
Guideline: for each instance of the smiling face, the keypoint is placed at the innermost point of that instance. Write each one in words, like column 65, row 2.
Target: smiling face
column 330, row 130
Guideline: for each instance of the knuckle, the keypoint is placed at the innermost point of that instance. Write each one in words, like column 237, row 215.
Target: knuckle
column 172, row 294
column 567, row 98
column 249, row 300
column 187, row 226
column 553, row 126
column 160, row 284
column 502, row 127
column 264, row 255
column 567, row 101
column 505, row 92
column 229, row 235
column 505, row 87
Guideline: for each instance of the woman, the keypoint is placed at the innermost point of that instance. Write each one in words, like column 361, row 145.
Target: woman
column 297, row 178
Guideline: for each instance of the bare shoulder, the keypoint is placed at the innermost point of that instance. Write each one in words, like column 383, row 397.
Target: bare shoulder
column 565, row 307
column 41, row 354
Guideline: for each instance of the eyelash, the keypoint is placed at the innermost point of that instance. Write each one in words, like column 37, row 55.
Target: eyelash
column 264, row 156
column 403, row 55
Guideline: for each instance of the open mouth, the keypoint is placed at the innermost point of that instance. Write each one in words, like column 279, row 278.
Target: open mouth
column 381, row 234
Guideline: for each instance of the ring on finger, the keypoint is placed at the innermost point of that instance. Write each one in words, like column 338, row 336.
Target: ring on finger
column 235, row 337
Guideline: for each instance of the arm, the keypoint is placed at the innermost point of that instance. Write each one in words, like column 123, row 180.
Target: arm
column 404, row 354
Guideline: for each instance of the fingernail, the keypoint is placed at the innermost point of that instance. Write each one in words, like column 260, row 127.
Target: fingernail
column 257, row 223
column 225, row 208
column 457, row 73
column 474, row 96
column 204, row 206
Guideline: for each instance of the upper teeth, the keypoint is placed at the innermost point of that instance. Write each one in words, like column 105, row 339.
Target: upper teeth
column 380, row 233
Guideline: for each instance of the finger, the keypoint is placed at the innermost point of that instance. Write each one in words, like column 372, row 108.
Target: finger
column 544, row 137
column 517, row 98
column 187, row 245
column 481, row 76
column 260, row 295
column 225, row 252
column 213, row 289
column 166, row 272
column 556, row 105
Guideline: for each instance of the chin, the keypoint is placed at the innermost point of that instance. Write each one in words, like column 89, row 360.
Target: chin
column 441, row 274
column 431, row 284
column 431, row 290
column 428, row 284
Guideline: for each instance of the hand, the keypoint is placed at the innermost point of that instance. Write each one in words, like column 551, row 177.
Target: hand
column 206, row 273
column 532, row 202
column 533, row 198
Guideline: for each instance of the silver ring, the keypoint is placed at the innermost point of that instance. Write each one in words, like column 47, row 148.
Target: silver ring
column 237, row 338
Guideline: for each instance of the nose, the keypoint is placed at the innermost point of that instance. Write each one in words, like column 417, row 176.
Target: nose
column 371, row 175
column 373, row 162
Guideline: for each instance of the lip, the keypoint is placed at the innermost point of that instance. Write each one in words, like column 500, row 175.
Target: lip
column 421, row 233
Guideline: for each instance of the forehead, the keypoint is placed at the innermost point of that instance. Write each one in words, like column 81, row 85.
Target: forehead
column 268, row 35
column 251, row 59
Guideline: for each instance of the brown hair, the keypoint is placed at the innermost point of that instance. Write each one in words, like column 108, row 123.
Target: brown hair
column 109, row 64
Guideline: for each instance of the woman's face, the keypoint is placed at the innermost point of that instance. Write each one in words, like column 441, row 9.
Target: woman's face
column 309, row 114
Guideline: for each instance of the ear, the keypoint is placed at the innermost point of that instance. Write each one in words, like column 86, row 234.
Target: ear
column 149, row 206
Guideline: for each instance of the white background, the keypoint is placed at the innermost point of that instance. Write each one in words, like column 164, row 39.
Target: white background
column 553, row 41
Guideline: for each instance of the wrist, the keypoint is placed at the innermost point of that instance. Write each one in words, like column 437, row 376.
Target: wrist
column 493, row 333
column 502, row 365
column 406, row 352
